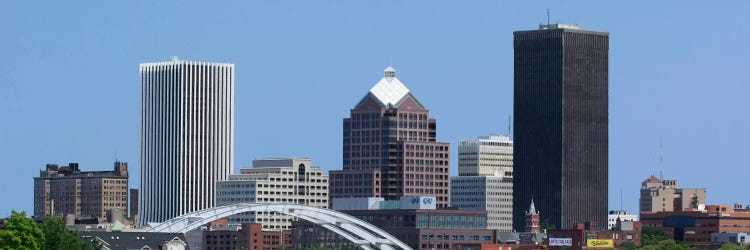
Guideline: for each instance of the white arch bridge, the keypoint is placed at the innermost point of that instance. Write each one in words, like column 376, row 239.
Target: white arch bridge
column 361, row 233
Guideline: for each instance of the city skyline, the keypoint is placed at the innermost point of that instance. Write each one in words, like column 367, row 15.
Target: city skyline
column 84, row 109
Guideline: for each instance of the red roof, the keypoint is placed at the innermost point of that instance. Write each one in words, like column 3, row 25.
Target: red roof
column 652, row 179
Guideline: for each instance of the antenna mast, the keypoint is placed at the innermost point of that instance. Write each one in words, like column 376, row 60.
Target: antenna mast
column 661, row 158
column 547, row 16
column 510, row 122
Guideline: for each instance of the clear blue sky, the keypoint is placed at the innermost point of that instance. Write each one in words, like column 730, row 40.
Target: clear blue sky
column 69, row 85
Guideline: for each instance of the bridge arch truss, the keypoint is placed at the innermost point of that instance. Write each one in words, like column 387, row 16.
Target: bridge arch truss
column 355, row 230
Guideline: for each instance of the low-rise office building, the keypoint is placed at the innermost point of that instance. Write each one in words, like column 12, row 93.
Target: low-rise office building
column 719, row 239
column 623, row 231
column 219, row 235
column 413, row 220
column 664, row 195
column 493, row 194
column 621, row 215
column 283, row 180
column 696, row 227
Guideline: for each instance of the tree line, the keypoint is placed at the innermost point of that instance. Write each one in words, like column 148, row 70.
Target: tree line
column 23, row 233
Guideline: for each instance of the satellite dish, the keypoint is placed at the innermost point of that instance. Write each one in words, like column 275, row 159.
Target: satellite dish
column 701, row 207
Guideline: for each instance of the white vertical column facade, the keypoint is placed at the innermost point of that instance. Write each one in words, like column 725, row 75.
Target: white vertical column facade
column 187, row 136
column 487, row 155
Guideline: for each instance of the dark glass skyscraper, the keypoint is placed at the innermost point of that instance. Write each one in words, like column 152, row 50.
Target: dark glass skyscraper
column 561, row 124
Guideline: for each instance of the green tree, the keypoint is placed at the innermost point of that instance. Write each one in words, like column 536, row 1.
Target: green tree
column 668, row 245
column 58, row 237
column 547, row 226
column 21, row 233
column 730, row 246
column 628, row 245
column 652, row 236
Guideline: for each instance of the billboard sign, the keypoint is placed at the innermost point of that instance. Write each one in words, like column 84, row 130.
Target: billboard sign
column 418, row 202
column 526, row 238
column 560, row 241
column 598, row 243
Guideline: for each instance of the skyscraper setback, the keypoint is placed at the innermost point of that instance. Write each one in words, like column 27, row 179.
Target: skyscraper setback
column 390, row 148
column 187, row 136
column 561, row 124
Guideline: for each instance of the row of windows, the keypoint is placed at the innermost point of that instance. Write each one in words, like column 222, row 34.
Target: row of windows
column 480, row 193
column 455, row 237
column 478, row 199
column 282, row 200
column 116, row 181
column 412, row 116
column 413, row 147
column 241, row 185
column 425, row 191
column 428, row 169
column 502, row 154
column 451, row 221
column 107, row 198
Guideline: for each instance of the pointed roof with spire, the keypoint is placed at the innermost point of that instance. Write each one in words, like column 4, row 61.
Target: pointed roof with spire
column 532, row 209
column 389, row 91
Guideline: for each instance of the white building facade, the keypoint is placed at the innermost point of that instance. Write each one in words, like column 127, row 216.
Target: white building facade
column 493, row 194
column 485, row 181
column 287, row 180
column 187, row 136
column 621, row 215
column 486, row 155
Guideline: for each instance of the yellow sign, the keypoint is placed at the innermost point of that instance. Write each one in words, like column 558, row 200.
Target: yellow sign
column 600, row 243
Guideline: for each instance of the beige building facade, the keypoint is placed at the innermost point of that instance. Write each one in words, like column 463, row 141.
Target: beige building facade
column 487, row 155
column 65, row 190
column 282, row 180
column 665, row 196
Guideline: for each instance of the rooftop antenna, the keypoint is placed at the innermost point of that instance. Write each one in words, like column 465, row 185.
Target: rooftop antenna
column 547, row 16
column 661, row 158
column 510, row 122
column 116, row 156
column 620, row 197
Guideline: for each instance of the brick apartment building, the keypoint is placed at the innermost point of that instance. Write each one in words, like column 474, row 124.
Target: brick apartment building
column 219, row 235
column 66, row 190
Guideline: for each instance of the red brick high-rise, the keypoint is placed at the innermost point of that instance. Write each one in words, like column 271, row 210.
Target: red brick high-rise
column 390, row 148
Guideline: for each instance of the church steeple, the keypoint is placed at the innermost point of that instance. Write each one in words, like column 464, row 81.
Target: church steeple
column 532, row 209
column 532, row 219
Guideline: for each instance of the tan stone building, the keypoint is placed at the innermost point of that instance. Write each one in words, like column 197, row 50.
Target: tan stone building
column 664, row 196
column 66, row 190
column 278, row 181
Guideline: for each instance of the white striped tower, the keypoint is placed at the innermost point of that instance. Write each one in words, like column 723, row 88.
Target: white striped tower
column 187, row 136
